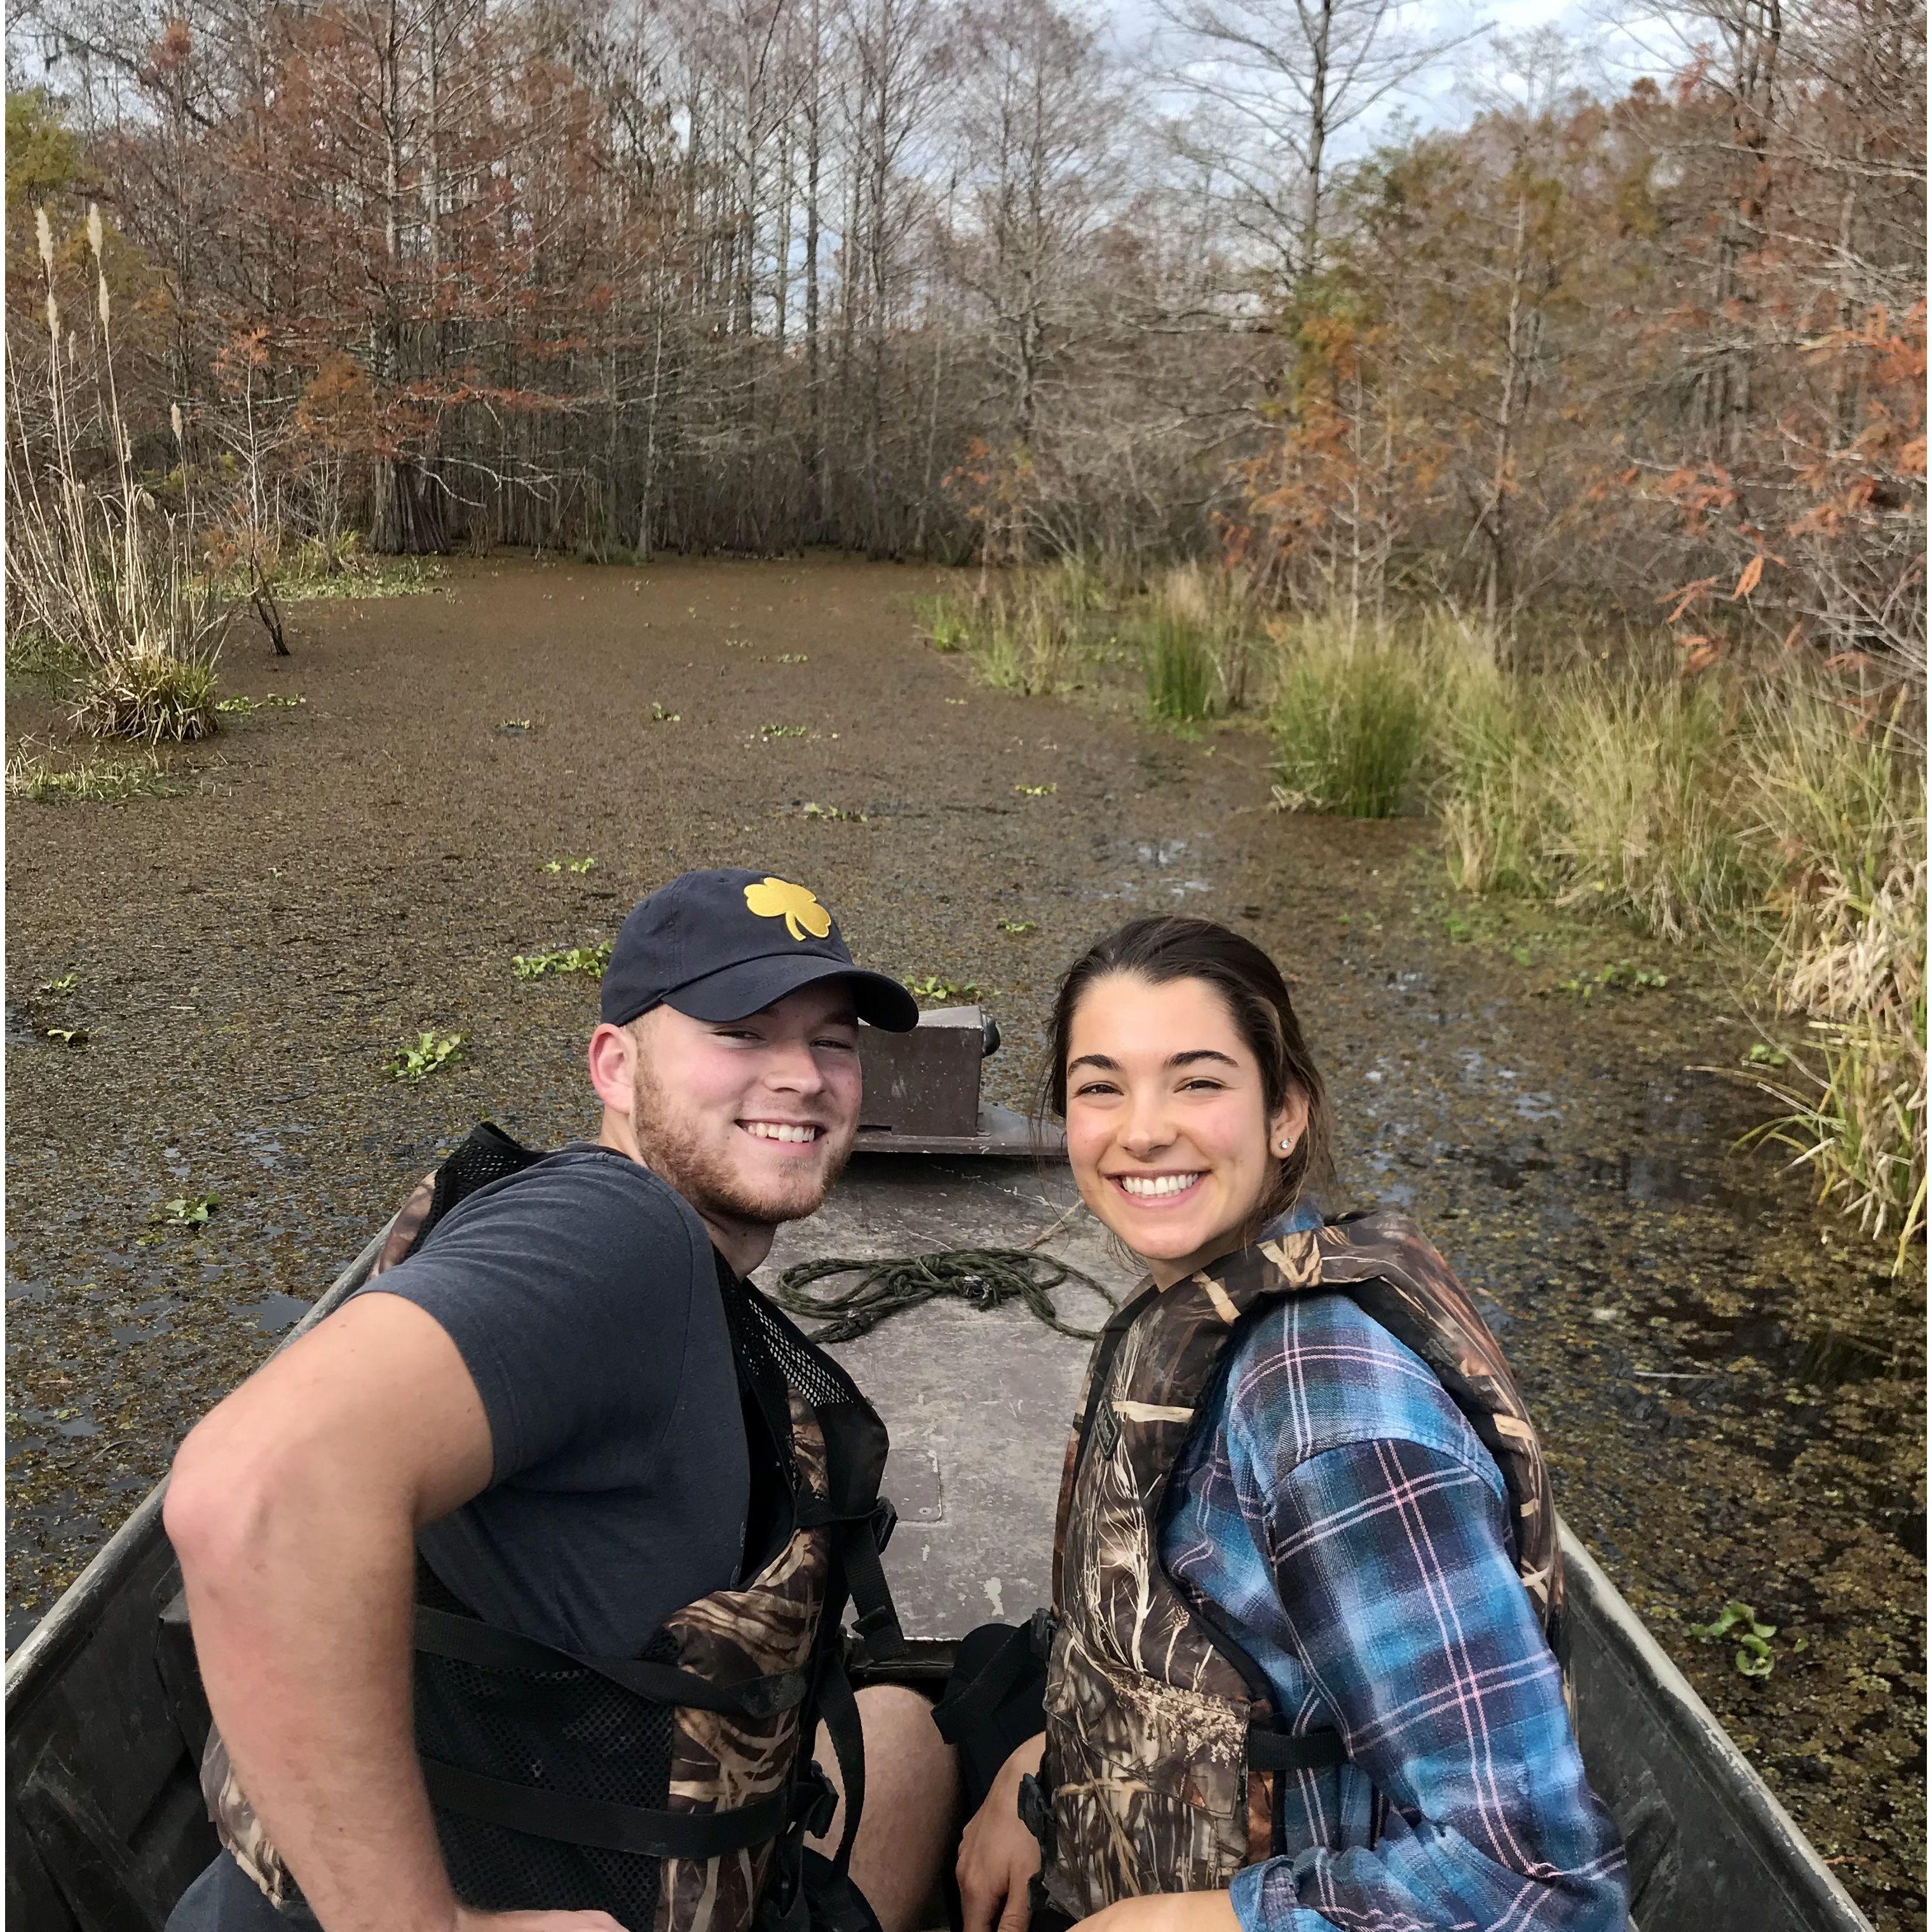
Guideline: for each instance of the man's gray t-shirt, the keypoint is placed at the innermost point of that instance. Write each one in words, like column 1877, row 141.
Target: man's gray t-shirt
column 582, row 1295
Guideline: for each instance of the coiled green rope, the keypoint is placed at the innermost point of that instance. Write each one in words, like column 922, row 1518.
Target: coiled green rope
column 981, row 1277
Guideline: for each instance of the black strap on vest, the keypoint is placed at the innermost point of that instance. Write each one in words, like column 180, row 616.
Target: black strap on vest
column 839, row 1711
column 878, row 1620
column 594, row 1821
column 860, row 1540
column 1105, row 1350
column 1276, row 1750
column 442, row 1634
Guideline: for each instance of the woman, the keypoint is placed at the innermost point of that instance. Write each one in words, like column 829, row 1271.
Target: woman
column 1301, row 1655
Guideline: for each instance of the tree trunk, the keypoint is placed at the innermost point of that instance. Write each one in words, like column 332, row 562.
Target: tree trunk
column 815, row 440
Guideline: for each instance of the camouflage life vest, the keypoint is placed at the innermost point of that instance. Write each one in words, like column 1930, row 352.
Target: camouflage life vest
column 1164, row 1752
column 672, row 1790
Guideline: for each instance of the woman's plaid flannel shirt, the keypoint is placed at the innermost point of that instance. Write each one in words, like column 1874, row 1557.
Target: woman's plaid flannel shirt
column 1338, row 1508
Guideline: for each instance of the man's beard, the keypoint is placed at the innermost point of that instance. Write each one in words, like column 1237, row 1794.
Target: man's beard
column 704, row 1174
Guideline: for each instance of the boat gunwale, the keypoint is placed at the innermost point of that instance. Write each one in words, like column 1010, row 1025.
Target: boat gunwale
column 52, row 1640
column 1728, row 1773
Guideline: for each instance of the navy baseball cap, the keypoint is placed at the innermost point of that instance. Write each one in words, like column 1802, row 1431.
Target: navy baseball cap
column 723, row 944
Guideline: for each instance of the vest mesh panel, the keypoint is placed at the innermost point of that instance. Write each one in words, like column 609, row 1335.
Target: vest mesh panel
column 597, row 1741
column 768, row 1347
column 486, row 1156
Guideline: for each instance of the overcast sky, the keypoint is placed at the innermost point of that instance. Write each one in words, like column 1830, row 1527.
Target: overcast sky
column 1611, row 44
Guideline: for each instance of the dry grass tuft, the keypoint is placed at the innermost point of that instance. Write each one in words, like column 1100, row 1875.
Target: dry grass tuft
column 1763, row 812
column 93, row 564
column 1021, row 636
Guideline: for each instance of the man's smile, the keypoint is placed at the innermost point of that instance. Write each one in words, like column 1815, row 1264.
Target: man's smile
column 785, row 1133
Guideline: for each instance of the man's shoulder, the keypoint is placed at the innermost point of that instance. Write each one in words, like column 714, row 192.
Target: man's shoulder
column 572, row 1290
column 577, row 1189
column 1316, row 1371
column 584, row 1231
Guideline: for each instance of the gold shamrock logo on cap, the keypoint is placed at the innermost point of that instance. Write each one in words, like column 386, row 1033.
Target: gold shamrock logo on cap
column 778, row 898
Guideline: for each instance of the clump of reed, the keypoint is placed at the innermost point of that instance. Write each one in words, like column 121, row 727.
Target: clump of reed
column 943, row 621
column 1020, row 635
column 1839, row 800
column 1211, row 616
column 1762, row 812
column 1351, row 717
column 94, row 564
column 1179, row 673
column 1856, row 1118
column 1079, row 584
column 1194, row 633
column 1028, row 645
column 1606, row 792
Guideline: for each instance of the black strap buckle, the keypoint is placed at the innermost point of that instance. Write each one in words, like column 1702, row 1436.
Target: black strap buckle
column 818, row 1801
column 1037, row 1813
column 1042, row 1627
column 861, row 1540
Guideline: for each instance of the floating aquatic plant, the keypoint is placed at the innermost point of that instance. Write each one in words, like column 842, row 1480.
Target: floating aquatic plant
column 1737, row 1622
column 418, row 1062
column 565, row 959
column 933, row 988
column 188, row 1211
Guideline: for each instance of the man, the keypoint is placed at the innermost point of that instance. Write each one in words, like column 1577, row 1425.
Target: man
column 540, row 1405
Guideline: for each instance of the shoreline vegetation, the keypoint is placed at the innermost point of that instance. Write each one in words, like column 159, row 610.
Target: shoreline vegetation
column 1770, row 810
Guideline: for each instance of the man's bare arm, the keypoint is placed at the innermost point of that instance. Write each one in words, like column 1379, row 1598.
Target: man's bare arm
column 293, row 1507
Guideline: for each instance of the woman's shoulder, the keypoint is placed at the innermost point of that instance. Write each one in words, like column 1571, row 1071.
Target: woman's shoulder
column 1314, row 1371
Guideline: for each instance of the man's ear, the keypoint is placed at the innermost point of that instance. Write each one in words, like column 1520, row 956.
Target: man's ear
column 1288, row 1125
column 613, row 1058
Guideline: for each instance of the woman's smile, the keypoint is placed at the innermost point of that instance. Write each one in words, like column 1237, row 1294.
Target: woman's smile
column 1159, row 1190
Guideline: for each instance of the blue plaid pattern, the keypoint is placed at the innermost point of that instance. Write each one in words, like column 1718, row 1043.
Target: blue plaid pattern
column 1336, row 1505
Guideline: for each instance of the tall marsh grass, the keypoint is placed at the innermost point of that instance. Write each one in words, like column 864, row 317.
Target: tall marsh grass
column 1180, row 673
column 1762, row 811
column 1195, row 634
column 1350, row 721
column 1021, row 636
column 1841, row 805
column 1608, row 793
column 93, row 564
column 1853, row 1109
column 1214, row 615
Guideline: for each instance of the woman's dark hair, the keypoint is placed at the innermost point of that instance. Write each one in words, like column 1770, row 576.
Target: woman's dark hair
column 1163, row 948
